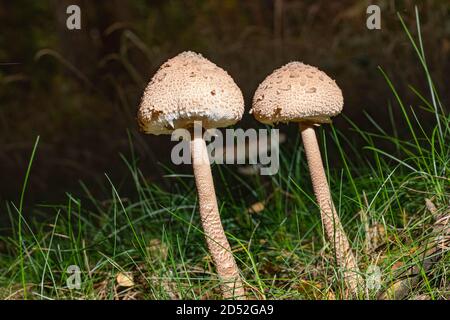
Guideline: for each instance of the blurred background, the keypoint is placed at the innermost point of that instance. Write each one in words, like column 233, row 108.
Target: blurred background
column 80, row 89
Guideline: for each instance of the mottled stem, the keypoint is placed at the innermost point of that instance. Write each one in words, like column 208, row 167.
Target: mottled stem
column 212, row 226
column 330, row 219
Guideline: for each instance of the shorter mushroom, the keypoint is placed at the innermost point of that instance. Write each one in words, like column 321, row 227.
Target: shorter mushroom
column 301, row 93
column 190, row 89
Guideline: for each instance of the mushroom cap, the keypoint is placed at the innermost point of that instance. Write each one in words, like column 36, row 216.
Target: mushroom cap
column 297, row 92
column 189, row 88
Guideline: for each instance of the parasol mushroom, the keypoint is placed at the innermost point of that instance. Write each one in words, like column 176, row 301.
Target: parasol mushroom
column 301, row 93
column 190, row 89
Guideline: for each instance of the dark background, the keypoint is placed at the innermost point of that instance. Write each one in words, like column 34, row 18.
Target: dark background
column 79, row 90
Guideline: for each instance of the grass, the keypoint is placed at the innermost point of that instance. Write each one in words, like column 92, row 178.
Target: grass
column 154, row 237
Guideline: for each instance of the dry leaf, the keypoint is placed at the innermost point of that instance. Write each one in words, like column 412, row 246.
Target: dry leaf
column 375, row 236
column 331, row 295
column 125, row 279
column 430, row 206
column 256, row 207
column 397, row 265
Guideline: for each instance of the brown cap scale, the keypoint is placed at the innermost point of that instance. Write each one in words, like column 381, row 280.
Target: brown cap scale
column 301, row 93
column 186, row 89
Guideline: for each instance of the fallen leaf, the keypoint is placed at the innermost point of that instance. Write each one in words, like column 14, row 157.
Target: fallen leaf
column 430, row 206
column 397, row 265
column 125, row 279
column 375, row 236
column 331, row 295
column 256, row 207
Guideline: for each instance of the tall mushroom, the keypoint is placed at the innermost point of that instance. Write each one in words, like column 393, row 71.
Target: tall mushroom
column 301, row 93
column 190, row 89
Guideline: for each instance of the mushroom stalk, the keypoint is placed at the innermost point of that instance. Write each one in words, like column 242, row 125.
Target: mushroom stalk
column 330, row 219
column 216, row 239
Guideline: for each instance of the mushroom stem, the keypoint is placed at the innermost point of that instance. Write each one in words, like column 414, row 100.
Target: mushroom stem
column 330, row 219
column 212, row 226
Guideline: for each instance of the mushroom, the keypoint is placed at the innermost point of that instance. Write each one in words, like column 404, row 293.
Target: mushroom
column 301, row 93
column 187, row 90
